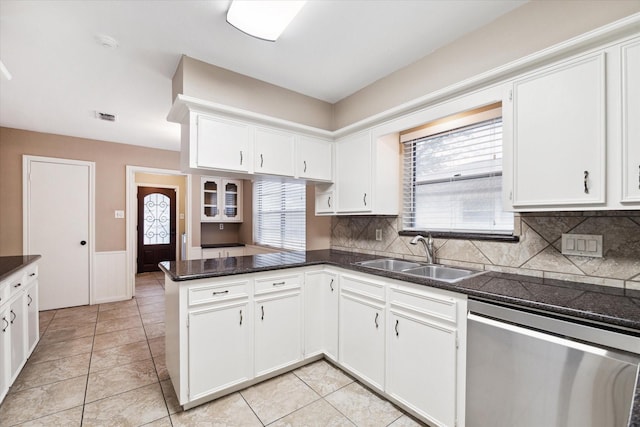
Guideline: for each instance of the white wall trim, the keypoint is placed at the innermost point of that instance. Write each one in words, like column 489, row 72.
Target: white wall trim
column 26, row 161
column 110, row 277
column 131, row 215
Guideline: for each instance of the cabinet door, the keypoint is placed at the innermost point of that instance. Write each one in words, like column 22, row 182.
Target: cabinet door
column 321, row 314
column 220, row 351
column 5, row 352
column 273, row 152
column 18, row 325
column 33, row 318
column 421, row 367
column 278, row 332
column 313, row 159
column 630, row 122
column 223, row 144
column 353, row 173
column 559, row 135
column 325, row 202
column 362, row 338
column 210, row 199
column 232, row 200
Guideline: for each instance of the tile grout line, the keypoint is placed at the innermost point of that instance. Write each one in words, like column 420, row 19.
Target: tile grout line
column 86, row 386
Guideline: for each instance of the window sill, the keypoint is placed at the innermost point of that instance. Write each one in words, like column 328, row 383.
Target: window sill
column 464, row 236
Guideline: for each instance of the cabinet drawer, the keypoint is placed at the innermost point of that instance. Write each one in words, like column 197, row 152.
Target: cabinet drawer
column 30, row 273
column 275, row 283
column 437, row 306
column 362, row 286
column 218, row 292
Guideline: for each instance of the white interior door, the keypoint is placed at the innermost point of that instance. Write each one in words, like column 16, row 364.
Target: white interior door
column 57, row 226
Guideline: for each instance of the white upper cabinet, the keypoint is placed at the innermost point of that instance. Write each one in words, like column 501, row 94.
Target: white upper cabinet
column 314, row 159
column 631, row 121
column 273, row 153
column 222, row 144
column 368, row 174
column 559, row 139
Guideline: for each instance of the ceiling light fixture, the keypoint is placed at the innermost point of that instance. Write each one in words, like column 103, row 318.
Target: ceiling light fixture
column 264, row 19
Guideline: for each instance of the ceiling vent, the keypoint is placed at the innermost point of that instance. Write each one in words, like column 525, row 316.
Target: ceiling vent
column 105, row 116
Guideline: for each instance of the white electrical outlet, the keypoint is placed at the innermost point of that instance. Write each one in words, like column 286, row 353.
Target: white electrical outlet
column 582, row 245
column 221, row 226
column 378, row 234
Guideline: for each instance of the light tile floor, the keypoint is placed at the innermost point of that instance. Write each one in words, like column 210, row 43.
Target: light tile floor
column 103, row 365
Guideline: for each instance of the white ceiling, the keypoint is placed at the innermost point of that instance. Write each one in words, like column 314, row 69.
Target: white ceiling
column 62, row 75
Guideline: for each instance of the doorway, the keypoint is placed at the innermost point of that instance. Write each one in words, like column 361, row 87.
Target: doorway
column 156, row 227
column 58, row 223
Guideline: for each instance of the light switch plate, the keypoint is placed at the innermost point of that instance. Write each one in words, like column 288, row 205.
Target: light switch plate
column 582, row 245
column 378, row 234
column 119, row 214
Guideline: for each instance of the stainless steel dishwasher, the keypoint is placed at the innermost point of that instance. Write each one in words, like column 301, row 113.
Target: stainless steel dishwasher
column 530, row 370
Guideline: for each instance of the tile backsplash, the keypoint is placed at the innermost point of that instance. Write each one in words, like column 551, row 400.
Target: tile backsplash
column 536, row 254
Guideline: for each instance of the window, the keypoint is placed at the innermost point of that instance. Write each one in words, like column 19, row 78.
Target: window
column 279, row 214
column 453, row 178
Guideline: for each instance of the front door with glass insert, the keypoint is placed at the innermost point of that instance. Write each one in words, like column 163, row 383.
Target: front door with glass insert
column 156, row 227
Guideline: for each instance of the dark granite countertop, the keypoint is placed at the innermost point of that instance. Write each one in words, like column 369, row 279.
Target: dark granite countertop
column 612, row 307
column 11, row 264
column 221, row 245
column 606, row 305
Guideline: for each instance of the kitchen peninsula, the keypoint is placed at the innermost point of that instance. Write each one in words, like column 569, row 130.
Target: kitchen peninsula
column 311, row 290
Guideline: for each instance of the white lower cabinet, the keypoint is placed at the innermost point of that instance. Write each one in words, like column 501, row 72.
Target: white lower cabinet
column 406, row 341
column 422, row 369
column 219, row 348
column 19, row 323
column 321, row 296
column 362, row 325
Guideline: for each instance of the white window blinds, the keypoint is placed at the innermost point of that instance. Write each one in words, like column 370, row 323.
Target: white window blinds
column 453, row 181
column 279, row 214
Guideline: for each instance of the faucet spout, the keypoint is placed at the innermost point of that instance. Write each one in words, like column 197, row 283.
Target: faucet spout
column 428, row 246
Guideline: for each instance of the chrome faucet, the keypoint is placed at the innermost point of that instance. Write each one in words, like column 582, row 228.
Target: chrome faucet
column 428, row 246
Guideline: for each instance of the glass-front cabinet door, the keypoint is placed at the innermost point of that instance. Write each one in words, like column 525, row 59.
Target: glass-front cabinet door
column 221, row 200
column 210, row 200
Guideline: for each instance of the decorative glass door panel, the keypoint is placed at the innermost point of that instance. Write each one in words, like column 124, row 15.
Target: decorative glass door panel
column 210, row 205
column 156, row 219
column 230, row 200
column 156, row 227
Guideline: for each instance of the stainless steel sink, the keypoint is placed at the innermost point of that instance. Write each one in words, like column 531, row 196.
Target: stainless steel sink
column 441, row 272
column 429, row 271
column 389, row 264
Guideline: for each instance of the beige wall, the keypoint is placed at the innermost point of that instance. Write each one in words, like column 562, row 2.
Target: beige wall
column 318, row 227
column 209, row 82
column 532, row 27
column 111, row 160
column 179, row 181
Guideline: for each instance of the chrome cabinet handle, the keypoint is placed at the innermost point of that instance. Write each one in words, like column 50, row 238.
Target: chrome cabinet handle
column 364, row 199
column 32, row 274
column 240, row 317
column 376, row 320
column 329, row 201
column 30, row 300
column 305, row 165
column 14, row 317
column 6, row 324
column 279, row 283
column 220, row 292
column 262, row 308
column 261, row 160
column 241, row 157
column 17, row 285
column 397, row 333
column 331, row 285
column 586, row 187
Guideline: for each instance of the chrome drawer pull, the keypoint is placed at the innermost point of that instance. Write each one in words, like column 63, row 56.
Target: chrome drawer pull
column 376, row 320
column 30, row 300
column 221, row 292
column 397, row 333
column 14, row 317
column 329, row 201
column 18, row 285
column 240, row 317
column 278, row 283
column 262, row 308
column 32, row 274
column 6, row 324
column 305, row 166
column 331, row 285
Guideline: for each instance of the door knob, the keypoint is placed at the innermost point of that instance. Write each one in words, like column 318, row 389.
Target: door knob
column 83, row 242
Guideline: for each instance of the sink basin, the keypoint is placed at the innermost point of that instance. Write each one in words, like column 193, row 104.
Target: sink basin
column 441, row 272
column 429, row 271
column 389, row 264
